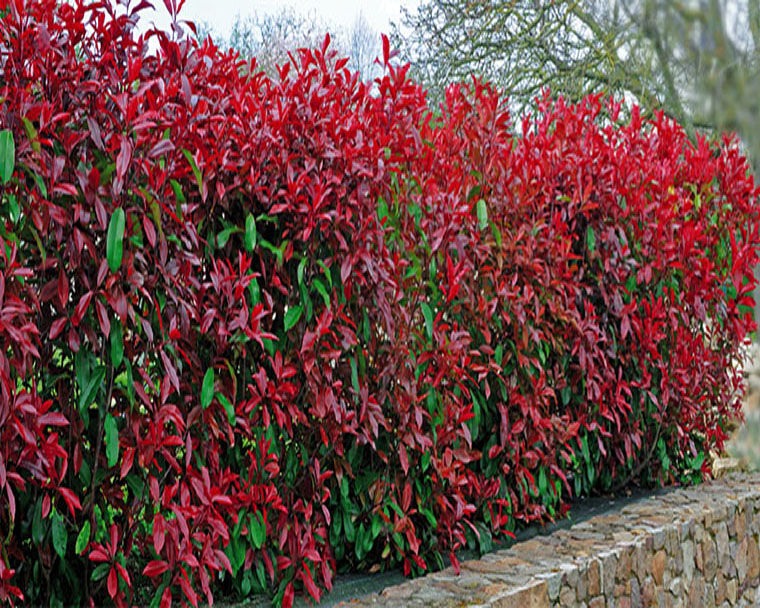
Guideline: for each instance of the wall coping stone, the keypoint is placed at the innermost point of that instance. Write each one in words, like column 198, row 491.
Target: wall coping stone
column 694, row 546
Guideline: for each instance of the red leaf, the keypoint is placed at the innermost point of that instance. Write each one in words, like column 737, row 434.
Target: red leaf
column 150, row 231
column 99, row 555
column 123, row 573
column 81, row 308
column 124, row 157
column 159, row 533
column 105, row 323
column 126, row 462
column 72, row 501
column 308, row 582
column 188, row 590
column 403, row 458
column 166, row 598
column 113, row 582
column 63, row 287
column 155, row 568
column 52, row 419
column 56, row 327
column 287, row 597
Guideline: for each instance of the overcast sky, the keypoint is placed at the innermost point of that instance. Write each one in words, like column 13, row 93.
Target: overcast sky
column 220, row 14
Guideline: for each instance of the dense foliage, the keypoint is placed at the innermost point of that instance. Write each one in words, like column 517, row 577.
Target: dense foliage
column 257, row 331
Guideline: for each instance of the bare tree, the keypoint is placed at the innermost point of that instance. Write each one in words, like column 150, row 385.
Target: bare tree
column 698, row 60
column 272, row 37
column 362, row 45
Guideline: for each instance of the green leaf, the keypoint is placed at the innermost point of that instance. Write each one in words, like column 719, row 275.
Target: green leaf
column 320, row 287
column 38, row 529
column 430, row 516
column 542, row 481
column 250, row 233
column 81, row 368
column 178, row 194
column 585, row 450
column 590, row 239
column 41, row 185
column 60, row 537
column 326, row 270
column 117, row 344
column 7, row 155
column 258, row 530
column 14, row 210
column 428, row 314
column 254, row 291
column 115, row 239
column 31, row 133
column 348, row 526
column 299, row 272
column 91, row 390
column 112, row 440
column 382, row 209
column 377, row 525
column 496, row 234
column 227, row 408
column 196, row 170
column 291, row 317
column 130, row 384
column 207, row 389
column 83, row 538
column 354, row 377
column 224, row 235
column 100, row 571
column 499, row 354
column 482, row 214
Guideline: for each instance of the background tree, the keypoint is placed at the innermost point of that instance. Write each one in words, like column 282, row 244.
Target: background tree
column 362, row 45
column 698, row 60
column 270, row 37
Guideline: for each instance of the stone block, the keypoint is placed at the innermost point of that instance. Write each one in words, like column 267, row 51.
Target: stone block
column 747, row 560
column 740, row 524
column 594, row 578
column 567, row 596
column 696, row 594
column 532, row 595
column 709, row 558
column 635, row 593
column 720, row 588
column 732, row 591
column 687, row 549
column 648, row 592
column 657, row 566
column 721, row 543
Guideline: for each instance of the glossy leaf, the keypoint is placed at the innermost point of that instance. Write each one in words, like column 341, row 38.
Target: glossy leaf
column 115, row 239
column 207, row 388
column 7, row 155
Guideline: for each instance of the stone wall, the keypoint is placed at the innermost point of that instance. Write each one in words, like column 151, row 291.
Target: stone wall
column 689, row 547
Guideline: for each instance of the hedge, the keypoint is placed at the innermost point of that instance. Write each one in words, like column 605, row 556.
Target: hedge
column 261, row 330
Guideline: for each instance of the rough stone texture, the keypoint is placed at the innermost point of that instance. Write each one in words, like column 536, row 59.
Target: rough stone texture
column 695, row 547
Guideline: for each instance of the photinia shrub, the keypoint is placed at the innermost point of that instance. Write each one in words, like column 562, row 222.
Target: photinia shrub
column 258, row 331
